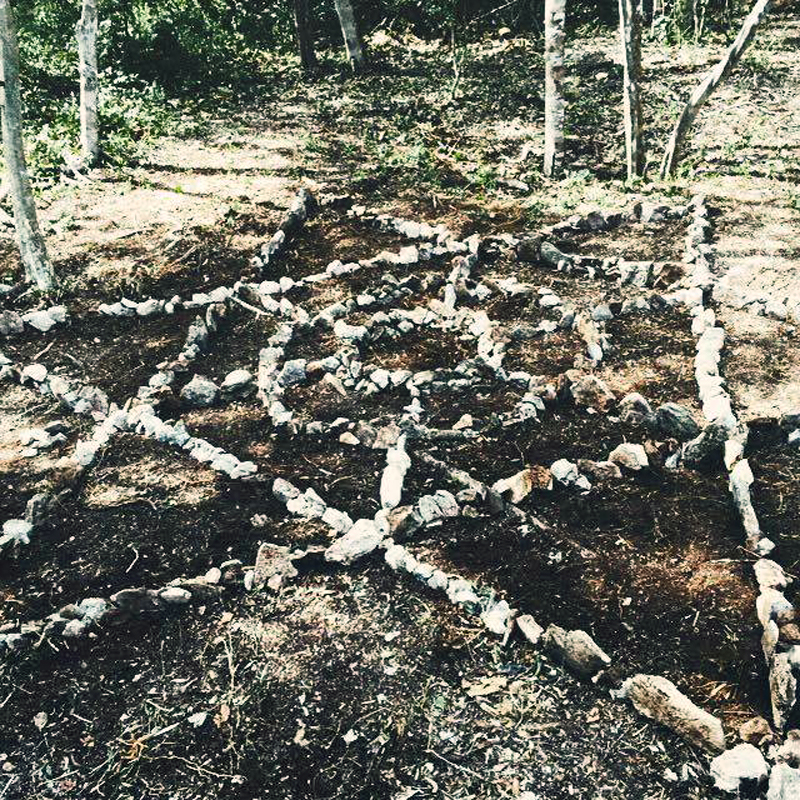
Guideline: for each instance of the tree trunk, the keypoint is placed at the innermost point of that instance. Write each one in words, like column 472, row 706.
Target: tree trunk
column 305, row 42
column 33, row 252
column 554, row 106
column 347, row 20
column 631, row 33
column 708, row 86
column 86, row 32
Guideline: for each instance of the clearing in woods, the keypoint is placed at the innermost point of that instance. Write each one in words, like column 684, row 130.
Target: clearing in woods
column 362, row 680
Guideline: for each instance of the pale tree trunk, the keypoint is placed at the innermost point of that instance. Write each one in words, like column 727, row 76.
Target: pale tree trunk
column 347, row 20
column 708, row 86
column 305, row 43
column 631, row 33
column 554, row 105
column 33, row 252
column 86, row 32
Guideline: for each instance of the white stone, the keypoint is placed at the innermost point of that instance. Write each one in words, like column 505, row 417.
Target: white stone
column 630, row 456
column 742, row 766
column 498, row 617
column 362, row 539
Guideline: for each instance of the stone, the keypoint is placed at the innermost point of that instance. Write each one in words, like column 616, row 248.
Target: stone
column 783, row 689
column 397, row 464
column 630, row 456
column 770, row 575
column 530, row 628
column 602, row 313
column 712, row 440
column 659, row 699
column 589, row 390
column 284, row 491
column 16, row 531
column 462, row 593
column 600, row 471
column 576, row 649
column 238, row 383
column 789, row 751
column 175, row 596
column 634, row 409
column 519, row 486
column 549, row 301
column 339, row 521
column 784, row 783
column 361, row 540
column 37, row 508
column 272, row 560
column 463, row 423
column 403, row 521
column 676, row 421
column 498, row 617
column 200, row 392
column 565, row 471
column 10, row 323
column 740, row 769
column 41, row 320
column 790, row 634
column 35, row 372
column 755, row 731
column 293, row 372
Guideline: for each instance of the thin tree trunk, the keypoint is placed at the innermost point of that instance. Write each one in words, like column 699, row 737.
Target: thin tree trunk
column 33, row 252
column 302, row 25
column 554, row 105
column 347, row 20
column 86, row 33
column 708, row 86
column 631, row 33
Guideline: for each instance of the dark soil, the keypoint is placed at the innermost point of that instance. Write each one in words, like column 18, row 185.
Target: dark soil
column 776, row 469
column 86, row 548
column 115, row 354
column 236, row 345
column 419, row 350
column 669, row 542
column 657, row 353
column 327, row 237
column 662, row 241
column 346, row 477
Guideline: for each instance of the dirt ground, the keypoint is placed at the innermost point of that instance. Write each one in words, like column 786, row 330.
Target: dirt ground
column 358, row 683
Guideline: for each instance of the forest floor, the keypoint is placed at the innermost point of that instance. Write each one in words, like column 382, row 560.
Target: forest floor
column 355, row 682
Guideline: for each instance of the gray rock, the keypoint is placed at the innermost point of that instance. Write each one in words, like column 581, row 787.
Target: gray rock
column 498, row 617
column 602, row 313
column 676, row 420
column 173, row 595
column 589, row 390
column 37, row 508
column 200, row 392
column 634, row 408
column 530, row 628
column 35, row 372
column 576, row 649
column 783, row 689
column 742, row 768
column 552, row 256
column 10, row 323
column 659, row 699
column 600, row 471
column 293, row 372
column 709, row 443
